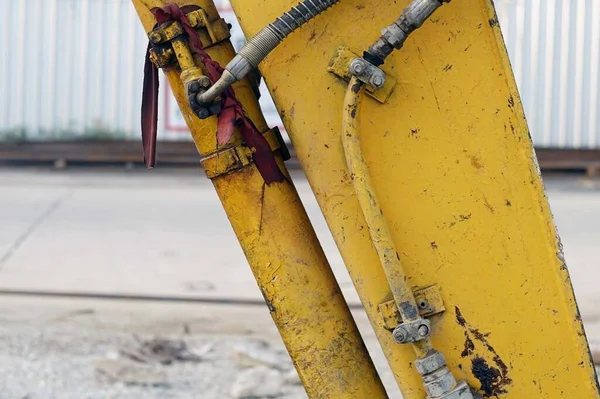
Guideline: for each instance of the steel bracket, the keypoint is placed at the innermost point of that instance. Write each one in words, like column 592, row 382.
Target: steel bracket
column 340, row 66
column 161, row 51
column 429, row 300
column 231, row 159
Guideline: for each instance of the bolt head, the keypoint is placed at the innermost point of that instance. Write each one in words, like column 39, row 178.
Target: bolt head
column 377, row 81
column 155, row 37
column 399, row 336
column 205, row 82
column 194, row 87
column 358, row 66
column 203, row 113
column 423, row 331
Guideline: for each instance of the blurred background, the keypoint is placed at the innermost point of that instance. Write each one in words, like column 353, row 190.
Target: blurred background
column 104, row 264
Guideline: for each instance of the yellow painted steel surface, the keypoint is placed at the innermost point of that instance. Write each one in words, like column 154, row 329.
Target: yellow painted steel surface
column 284, row 254
column 454, row 170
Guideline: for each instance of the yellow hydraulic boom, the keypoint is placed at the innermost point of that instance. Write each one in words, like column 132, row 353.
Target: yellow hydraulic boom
column 406, row 119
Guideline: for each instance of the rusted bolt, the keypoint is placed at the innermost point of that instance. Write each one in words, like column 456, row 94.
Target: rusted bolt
column 205, row 82
column 155, row 37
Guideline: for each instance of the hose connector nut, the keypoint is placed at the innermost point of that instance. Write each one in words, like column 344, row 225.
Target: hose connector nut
column 414, row 331
column 367, row 73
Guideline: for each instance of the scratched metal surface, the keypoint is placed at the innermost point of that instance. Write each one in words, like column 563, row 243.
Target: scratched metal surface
column 454, row 170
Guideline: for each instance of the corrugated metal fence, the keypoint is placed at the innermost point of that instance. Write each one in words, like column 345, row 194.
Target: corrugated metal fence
column 73, row 68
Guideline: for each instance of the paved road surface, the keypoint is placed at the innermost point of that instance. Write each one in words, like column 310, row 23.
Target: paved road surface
column 164, row 233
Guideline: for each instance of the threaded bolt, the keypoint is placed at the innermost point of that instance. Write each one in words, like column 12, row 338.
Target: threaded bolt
column 357, row 67
column 377, row 81
column 399, row 336
column 194, row 87
column 423, row 331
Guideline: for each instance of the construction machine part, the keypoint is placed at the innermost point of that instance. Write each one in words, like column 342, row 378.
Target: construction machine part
column 280, row 245
column 455, row 173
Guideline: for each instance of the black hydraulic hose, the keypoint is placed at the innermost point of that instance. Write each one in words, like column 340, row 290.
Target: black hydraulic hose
column 264, row 42
column 395, row 35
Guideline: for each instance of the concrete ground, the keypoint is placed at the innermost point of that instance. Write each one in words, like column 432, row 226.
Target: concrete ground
column 163, row 233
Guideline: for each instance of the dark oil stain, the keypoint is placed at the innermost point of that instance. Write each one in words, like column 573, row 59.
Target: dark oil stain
column 360, row 7
column 489, row 377
column 459, row 317
column 397, row 256
column 447, row 68
column 493, row 22
column 464, row 218
column 312, row 36
column 476, row 162
column 415, row 132
column 434, row 246
column 508, row 203
column 467, row 48
column 511, row 102
column 469, row 346
column 353, row 113
column 326, row 146
column 512, row 128
column 493, row 379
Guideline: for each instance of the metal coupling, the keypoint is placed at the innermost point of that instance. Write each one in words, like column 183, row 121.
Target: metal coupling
column 194, row 91
column 367, row 72
column 395, row 35
column 413, row 331
column 439, row 381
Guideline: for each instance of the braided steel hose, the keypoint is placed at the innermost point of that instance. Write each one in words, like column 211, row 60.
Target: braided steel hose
column 264, row 42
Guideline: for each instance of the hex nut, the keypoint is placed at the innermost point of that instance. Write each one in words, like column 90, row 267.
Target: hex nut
column 357, row 66
column 430, row 363
column 439, row 383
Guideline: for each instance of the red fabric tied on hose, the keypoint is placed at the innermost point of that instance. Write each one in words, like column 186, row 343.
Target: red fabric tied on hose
column 231, row 116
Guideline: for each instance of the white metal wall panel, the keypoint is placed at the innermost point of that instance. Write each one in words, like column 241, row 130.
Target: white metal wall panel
column 73, row 68
column 554, row 47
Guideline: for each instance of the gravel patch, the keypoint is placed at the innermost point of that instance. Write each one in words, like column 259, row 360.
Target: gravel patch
column 71, row 362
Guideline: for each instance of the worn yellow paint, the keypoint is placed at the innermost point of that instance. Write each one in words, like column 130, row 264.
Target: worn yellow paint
column 283, row 252
column 454, row 170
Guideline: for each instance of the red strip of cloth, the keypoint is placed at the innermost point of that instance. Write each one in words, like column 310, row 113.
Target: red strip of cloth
column 231, row 116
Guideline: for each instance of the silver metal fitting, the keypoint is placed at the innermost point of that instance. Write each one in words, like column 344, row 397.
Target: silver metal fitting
column 430, row 363
column 439, row 381
column 413, row 331
column 394, row 36
column 367, row 73
column 441, row 384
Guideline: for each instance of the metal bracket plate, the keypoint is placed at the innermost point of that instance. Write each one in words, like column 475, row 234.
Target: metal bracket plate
column 340, row 66
column 238, row 157
column 429, row 300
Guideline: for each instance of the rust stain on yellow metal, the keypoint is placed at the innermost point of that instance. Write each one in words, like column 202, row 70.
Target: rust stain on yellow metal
column 454, row 169
column 283, row 252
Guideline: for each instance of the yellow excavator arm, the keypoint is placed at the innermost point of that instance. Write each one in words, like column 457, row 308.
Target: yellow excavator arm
column 406, row 119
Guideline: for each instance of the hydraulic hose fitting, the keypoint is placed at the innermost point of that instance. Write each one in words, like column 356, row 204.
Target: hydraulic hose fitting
column 393, row 37
column 264, row 42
